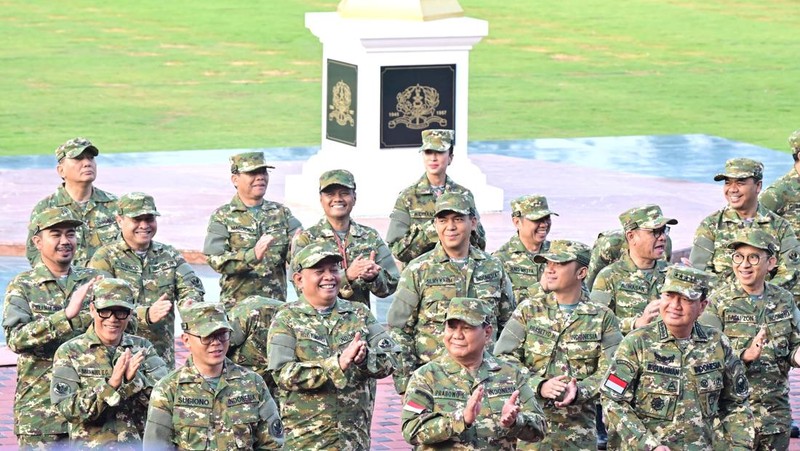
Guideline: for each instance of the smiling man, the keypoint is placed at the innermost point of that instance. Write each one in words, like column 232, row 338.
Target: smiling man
column 248, row 239
column 454, row 268
column 211, row 402
column 157, row 273
column 102, row 379
column 94, row 207
column 672, row 379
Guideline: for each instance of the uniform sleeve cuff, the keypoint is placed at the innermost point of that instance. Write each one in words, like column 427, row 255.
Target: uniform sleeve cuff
column 335, row 372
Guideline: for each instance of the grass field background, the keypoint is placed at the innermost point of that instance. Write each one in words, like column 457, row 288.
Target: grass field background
column 199, row 74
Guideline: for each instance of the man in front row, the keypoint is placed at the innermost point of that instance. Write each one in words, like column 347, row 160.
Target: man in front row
column 670, row 380
column 211, row 402
column 102, row 379
column 468, row 398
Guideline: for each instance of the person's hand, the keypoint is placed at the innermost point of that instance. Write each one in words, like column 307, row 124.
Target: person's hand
column 78, row 296
column 262, row 245
column 363, row 268
column 753, row 352
column 569, row 394
column 553, row 388
column 133, row 364
column 661, row 448
column 473, row 407
column 510, row 410
column 685, row 262
column 118, row 372
column 159, row 310
column 651, row 312
column 357, row 349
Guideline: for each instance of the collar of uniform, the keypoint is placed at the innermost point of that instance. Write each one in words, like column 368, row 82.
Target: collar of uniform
column 154, row 248
column 92, row 338
column 762, row 215
column 440, row 256
column 304, row 306
column 40, row 274
column 451, row 366
column 517, row 247
column 424, row 185
column 585, row 306
column 698, row 333
column 327, row 231
column 237, row 204
column 63, row 198
column 189, row 374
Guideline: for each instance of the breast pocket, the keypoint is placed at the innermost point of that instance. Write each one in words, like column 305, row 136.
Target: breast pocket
column 657, row 395
column 311, row 346
column 242, row 237
column 243, row 419
column 433, row 308
column 191, row 427
column 539, row 349
column 583, row 354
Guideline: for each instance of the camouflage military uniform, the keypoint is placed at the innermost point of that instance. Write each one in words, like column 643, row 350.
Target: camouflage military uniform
column 733, row 312
column 187, row 413
column 361, row 240
column 322, row 406
column 100, row 416
column 551, row 342
column 411, row 232
column 437, row 394
column 656, row 393
column 416, row 316
column 35, row 325
column 250, row 320
column 233, row 231
column 608, row 248
column 520, row 267
column 783, row 196
column 163, row 270
column 98, row 218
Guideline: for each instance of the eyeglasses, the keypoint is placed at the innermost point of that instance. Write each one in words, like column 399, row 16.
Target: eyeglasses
column 118, row 314
column 221, row 336
column 753, row 259
column 658, row 232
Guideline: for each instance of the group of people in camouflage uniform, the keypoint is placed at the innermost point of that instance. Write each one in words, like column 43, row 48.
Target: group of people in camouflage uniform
column 525, row 348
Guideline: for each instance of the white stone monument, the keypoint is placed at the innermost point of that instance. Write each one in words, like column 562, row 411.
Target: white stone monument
column 390, row 69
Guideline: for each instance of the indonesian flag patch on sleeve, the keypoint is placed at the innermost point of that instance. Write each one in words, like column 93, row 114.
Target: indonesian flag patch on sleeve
column 615, row 384
column 412, row 406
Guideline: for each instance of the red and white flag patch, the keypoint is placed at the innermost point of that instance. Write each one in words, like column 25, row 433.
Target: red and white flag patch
column 615, row 384
column 412, row 406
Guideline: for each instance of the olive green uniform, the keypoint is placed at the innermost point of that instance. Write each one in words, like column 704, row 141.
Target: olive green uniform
column 520, row 267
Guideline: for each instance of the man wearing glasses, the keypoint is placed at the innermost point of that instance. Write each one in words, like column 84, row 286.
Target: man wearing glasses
column 762, row 322
column 102, row 379
column 630, row 286
column 211, row 402
column 248, row 239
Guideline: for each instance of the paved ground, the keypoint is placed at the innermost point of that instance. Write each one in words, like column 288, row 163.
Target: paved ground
column 589, row 181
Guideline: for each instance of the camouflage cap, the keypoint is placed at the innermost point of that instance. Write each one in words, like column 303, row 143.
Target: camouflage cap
column 456, row 202
column 309, row 256
column 248, row 161
column 687, row 281
column 203, row 318
column 74, row 148
column 794, row 141
column 337, row 177
column 562, row 251
column 51, row 217
column 741, row 168
column 439, row 140
column 112, row 292
column 137, row 204
column 757, row 238
column 472, row 311
column 645, row 217
column 533, row 207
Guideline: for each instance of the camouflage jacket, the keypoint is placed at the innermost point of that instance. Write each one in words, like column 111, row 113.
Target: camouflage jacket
column 99, row 222
column 416, row 316
column 99, row 415
column 783, row 198
column 656, row 393
column 250, row 320
column 710, row 248
column 361, row 240
column 550, row 342
column 520, row 267
column 187, row 413
column 230, row 241
column 322, row 406
column 732, row 311
column 608, row 248
column 411, row 232
column 35, row 325
column 163, row 270
column 437, row 394
column 627, row 290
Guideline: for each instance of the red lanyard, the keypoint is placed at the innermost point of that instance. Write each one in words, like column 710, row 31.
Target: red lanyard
column 342, row 247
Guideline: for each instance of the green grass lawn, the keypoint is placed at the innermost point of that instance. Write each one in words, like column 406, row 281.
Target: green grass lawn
column 171, row 75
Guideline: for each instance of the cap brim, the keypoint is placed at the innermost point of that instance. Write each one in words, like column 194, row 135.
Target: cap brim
column 423, row 149
column 736, row 175
column 100, row 305
column 136, row 214
column 450, row 210
column 658, row 224
column 209, row 328
column 469, row 321
column 540, row 215
column 324, row 187
column 692, row 295
column 68, row 223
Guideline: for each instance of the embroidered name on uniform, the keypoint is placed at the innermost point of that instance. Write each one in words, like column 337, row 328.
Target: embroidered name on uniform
column 348, row 337
column 661, row 369
column 632, row 286
column 46, row 307
column 310, row 335
column 94, row 372
column 440, row 281
column 706, row 367
column 739, row 318
column 491, row 392
column 586, row 337
column 521, row 270
column 248, row 398
column 779, row 316
column 186, row 401
column 485, row 277
column 105, row 222
column 451, row 394
column 542, row 332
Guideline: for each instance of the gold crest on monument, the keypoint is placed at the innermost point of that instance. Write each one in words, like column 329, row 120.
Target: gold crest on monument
column 340, row 104
column 417, row 108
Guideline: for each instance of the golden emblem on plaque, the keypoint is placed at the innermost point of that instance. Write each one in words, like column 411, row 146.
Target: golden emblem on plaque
column 416, row 108
column 340, row 108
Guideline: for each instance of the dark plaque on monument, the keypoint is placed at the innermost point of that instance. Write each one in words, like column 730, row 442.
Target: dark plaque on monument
column 416, row 98
column 342, row 97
